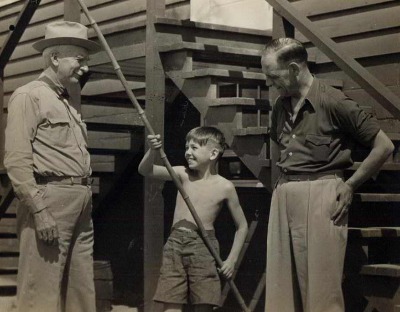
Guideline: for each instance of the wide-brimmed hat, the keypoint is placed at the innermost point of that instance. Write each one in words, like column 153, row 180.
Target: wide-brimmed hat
column 66, row 33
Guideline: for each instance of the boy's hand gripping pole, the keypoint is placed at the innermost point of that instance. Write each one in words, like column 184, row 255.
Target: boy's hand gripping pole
column 171, row 171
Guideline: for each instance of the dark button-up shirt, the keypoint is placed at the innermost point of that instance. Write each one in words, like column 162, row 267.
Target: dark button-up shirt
column 321, row 137
column 45, row 136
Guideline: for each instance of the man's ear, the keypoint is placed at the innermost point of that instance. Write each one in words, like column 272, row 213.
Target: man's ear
column 54, row 59
column 294, row 68
column 214, row 154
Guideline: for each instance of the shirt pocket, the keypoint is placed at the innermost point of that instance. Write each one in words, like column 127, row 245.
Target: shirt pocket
column 319, row 146
column 59, row 131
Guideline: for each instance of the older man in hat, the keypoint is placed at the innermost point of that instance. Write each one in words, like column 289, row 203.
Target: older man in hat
column 49, row 166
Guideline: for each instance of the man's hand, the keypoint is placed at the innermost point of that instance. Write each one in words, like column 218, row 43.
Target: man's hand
column 46, row 227
column 154, row 141
column 344, row 197
column 227, row 269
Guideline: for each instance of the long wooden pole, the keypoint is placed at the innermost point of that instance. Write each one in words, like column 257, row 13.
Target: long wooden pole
column 163, row 156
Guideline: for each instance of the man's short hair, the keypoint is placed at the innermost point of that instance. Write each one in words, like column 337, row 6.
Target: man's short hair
column 205, row 135
column 60, row 50
column 287, row 50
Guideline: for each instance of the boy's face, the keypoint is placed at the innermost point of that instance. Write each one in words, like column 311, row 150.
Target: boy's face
column 198, row 156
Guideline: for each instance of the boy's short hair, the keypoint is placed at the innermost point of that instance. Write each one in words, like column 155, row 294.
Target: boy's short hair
column 204, row 135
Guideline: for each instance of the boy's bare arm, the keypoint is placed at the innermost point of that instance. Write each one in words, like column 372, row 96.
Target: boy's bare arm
column 147, row 167
column 241, row 231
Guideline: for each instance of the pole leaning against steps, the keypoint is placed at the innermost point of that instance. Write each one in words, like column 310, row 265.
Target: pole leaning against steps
column 171, row 171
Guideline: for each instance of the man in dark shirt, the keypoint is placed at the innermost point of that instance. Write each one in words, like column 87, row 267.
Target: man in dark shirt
column 312, row 126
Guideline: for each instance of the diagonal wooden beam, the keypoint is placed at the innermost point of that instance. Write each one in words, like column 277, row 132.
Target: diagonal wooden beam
column 17, row 30
column 359, row 74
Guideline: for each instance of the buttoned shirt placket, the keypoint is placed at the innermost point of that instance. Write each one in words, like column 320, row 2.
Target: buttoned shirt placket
column 75, row 122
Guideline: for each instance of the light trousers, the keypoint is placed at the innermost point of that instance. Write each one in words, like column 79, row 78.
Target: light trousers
column 58, row 278
column 305, row 250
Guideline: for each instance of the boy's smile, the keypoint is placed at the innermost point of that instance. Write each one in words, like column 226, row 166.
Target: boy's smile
column 196, row 155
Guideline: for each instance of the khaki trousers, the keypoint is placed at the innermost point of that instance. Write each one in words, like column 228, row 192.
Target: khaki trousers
column 305, row 250
column 58, row 278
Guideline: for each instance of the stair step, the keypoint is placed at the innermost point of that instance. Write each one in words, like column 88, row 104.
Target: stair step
column 247, row 183
column 250, row 131
column 8, row 270
column 109, row 140
column 8, row 259
column 8, row 280
column 393, row 136
column 372, row 232
column 9, row 245
column 219, row 53
column 262, row 104
column 377, row 197
column 102, row 163
column 229, row 153
column 391, row 270
column 388, row 166
column 107, row 86
column 224, row 74
column 118, row 117
column 8, row 301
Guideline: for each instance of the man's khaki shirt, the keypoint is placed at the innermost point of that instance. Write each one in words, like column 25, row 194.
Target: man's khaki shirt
column 323, row 134
column 45, row 136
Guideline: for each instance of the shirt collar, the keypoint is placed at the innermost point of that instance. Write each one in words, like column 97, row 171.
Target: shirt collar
column 311, row 97
column 313, row 93
column 53, row 84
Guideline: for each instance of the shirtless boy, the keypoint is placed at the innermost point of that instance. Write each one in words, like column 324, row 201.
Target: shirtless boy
column 188, row 268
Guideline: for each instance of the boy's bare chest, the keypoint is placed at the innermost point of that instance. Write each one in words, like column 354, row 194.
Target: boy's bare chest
column 207, row 194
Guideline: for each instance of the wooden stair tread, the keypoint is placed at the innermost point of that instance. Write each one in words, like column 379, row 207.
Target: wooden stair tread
column 389, row 166
column 102, row 163
column 8, row 270
column 247, row 183
column 394, row 136
column 111, row 115
column 190, row 24
column 216, row 50
column 240, row 101
column 106, row 86
column 220, row 73
column 391, row 270
column 229, row 153
column 250, row 131
column 377, row 197
column 8, row 280
column 109, row 140
column 371, row 232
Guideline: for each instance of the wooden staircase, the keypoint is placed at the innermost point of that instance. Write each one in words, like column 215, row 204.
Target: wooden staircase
column 225, row 84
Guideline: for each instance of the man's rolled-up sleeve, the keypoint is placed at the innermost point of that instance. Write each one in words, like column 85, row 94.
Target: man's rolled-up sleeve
column 22, row 122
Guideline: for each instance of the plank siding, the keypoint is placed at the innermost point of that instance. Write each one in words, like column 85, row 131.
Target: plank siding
column 116, row 18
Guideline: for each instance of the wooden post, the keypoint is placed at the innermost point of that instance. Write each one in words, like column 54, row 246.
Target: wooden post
column 153, row 201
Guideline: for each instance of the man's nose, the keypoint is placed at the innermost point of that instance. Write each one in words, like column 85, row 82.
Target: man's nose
column 268, row 82
column 84, row 68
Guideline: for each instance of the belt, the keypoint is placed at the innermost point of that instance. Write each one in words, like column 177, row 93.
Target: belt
column 312, row 176
column 64, row 180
